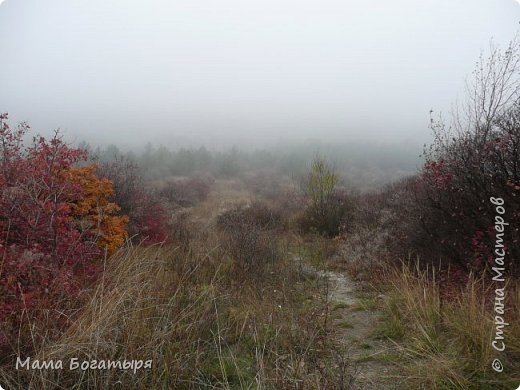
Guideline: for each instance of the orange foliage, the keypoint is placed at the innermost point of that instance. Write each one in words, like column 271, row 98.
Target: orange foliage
column 94, row 212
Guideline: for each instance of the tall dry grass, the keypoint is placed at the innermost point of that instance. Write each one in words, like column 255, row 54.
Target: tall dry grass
column 447, row 341
column 203, row 320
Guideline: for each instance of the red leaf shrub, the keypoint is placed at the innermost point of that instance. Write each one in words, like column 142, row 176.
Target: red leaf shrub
column 454, row 191
column 48, row 251
column 471, row 161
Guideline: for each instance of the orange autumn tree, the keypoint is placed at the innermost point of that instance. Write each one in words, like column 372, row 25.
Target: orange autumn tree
column 94, row 213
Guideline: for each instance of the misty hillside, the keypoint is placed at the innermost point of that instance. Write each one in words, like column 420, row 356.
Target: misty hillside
column 260, row 195
column 363, row 166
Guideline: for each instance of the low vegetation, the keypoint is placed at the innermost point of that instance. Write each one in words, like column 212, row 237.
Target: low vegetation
column 447, row 341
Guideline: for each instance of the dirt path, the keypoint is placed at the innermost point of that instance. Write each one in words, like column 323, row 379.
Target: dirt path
column 355, row 318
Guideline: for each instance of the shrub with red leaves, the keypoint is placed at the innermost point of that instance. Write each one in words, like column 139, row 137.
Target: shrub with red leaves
column 474, row 159
column 47, row 252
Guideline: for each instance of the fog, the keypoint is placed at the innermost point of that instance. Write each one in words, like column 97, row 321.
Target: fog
column 214, row 73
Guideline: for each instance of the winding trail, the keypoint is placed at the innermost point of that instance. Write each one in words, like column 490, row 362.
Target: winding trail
column 354, row 318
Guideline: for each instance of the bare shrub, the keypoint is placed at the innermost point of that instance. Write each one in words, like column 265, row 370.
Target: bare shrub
column 263, row 183
column 331, row 220
column 250, row 234
column 184, row 191
column 383, row 229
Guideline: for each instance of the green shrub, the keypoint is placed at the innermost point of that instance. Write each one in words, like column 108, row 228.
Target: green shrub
column 328, row 206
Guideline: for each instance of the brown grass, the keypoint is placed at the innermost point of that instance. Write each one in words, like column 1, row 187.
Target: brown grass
column 447, row 343
column 203, row 320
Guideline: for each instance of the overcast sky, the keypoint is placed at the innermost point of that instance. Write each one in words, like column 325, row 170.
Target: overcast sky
column 232, row 71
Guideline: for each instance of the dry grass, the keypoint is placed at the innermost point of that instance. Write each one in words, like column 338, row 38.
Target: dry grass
column 447, row 343
column 224, row 194
column 204, row 321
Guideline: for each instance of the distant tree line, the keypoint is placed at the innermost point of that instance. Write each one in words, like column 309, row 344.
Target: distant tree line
column 364, row 165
